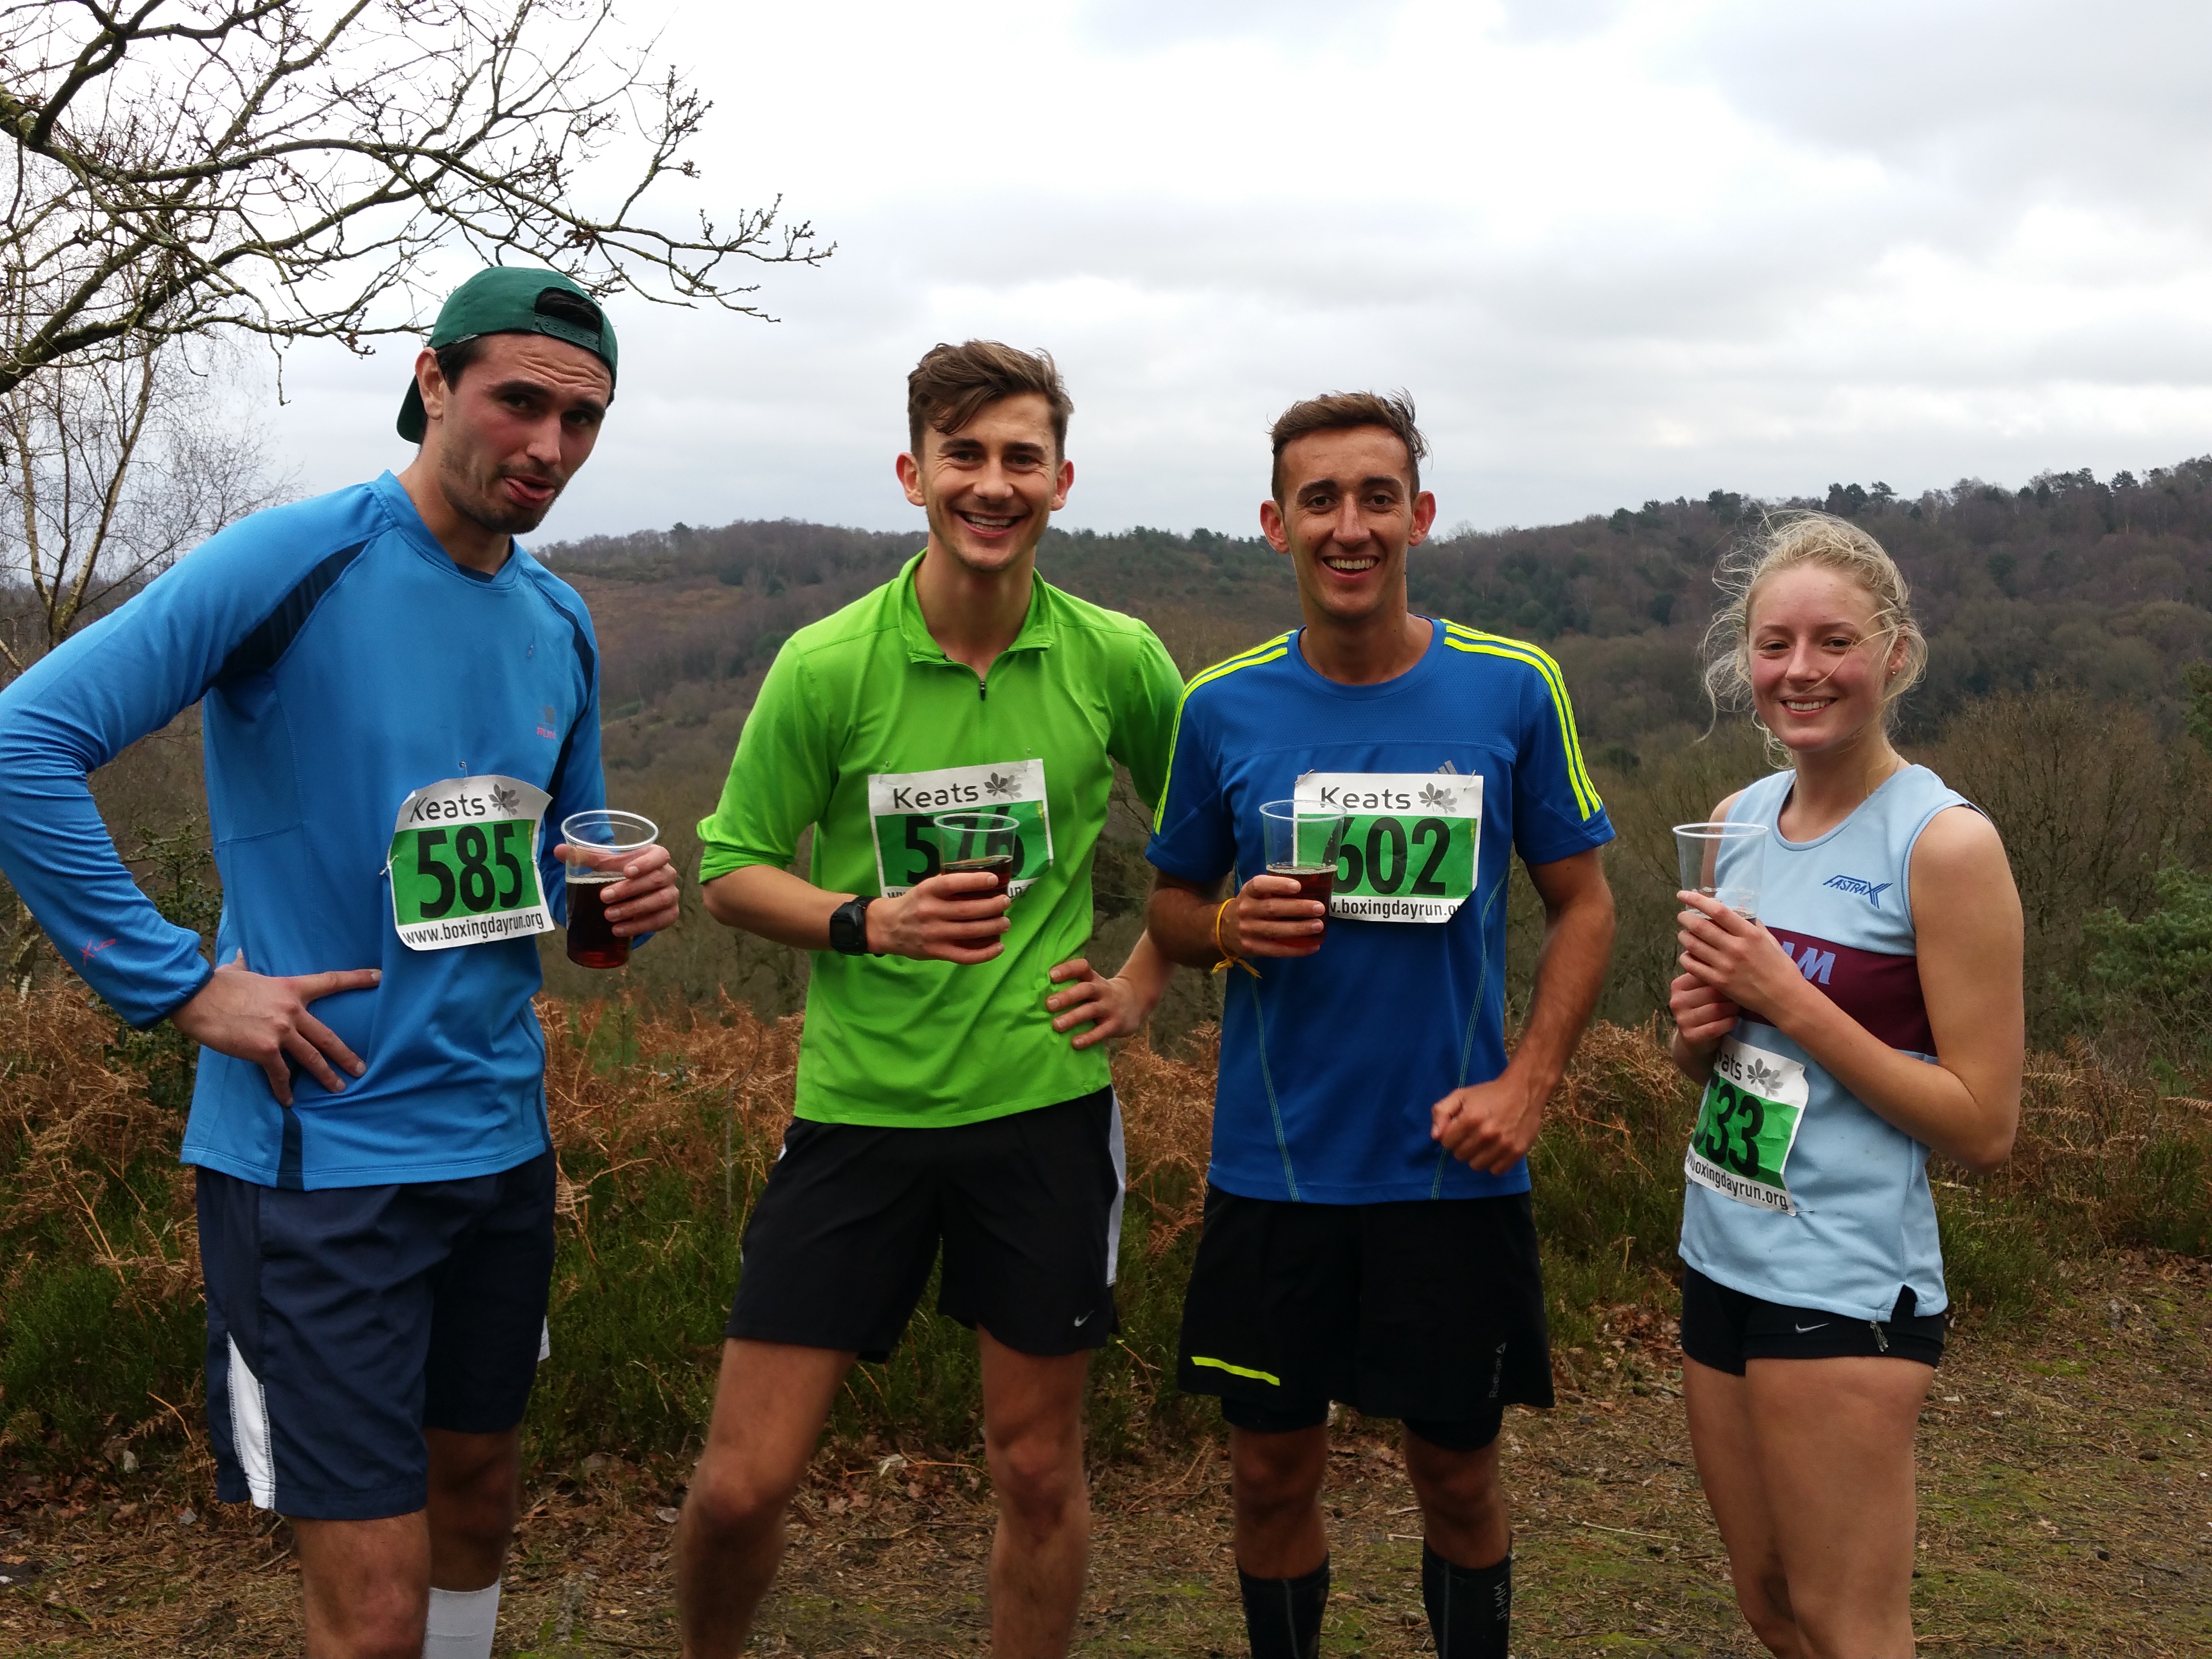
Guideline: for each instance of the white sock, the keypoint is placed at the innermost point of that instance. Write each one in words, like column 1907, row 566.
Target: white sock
column 462, row 1623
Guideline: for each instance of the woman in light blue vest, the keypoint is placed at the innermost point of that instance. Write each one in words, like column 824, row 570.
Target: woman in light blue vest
column 1872, row 1014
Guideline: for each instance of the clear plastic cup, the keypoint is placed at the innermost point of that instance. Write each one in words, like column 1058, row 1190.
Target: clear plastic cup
column 986, row 843
column 598, row 844
column 1302, row 844
column 1724, row 861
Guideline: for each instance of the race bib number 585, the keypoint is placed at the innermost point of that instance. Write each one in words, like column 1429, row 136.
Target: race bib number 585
column 1409, row 852
column 464, row 863
column 1747, row 1124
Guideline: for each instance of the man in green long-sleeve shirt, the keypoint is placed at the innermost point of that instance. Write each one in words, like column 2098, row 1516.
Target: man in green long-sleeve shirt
column 939, row 1098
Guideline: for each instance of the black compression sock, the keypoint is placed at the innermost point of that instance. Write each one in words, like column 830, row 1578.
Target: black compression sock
column 1470, row 1609
column 1282, row 1616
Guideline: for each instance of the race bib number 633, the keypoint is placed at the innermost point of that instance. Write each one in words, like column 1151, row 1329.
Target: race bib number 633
column 1747, row 1124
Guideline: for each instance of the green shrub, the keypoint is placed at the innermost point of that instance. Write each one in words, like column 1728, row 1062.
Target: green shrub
column 88, row 1353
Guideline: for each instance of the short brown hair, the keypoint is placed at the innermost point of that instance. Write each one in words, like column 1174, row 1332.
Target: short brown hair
column 1339, row 412
column 952, row 383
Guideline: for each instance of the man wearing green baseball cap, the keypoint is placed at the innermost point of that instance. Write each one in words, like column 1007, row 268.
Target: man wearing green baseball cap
column 507, row 301
column 397, row 700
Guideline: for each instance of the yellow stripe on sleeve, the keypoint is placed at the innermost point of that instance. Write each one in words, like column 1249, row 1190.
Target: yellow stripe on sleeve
column 1266, row 652
column 1473, row 641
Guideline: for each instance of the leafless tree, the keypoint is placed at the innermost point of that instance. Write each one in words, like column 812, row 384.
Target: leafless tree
column 286, row 167
column 178, row 170
column 111, row 467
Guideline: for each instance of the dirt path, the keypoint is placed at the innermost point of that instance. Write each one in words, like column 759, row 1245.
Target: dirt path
column 2066, row 1487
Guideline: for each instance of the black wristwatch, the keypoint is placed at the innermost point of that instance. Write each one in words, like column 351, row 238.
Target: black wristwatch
column 849, row 925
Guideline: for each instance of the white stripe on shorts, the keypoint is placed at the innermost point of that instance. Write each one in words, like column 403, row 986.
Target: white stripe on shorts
column 544, row 1340
column 249, row 1430
column 1121, row 1193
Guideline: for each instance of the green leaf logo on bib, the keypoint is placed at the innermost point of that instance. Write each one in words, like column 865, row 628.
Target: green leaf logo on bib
column 1408, row 853
column 1747, row 1124
column 464, row 863
column 902, row 805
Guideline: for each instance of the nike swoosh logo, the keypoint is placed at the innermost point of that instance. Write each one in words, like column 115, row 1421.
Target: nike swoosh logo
column 1079, row 1318
column 1818, row 1325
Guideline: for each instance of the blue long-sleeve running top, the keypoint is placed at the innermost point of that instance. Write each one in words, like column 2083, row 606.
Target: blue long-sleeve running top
column 381, row 726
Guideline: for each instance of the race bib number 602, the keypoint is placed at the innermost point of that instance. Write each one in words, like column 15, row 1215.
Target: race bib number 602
column 1408, row 853
column 464, row 863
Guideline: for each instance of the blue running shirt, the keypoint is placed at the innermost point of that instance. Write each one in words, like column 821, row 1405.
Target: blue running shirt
column 1330, row 1063
column 343, row 661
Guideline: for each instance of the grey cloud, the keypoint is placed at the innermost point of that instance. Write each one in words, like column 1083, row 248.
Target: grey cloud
column 1764, row 334
column 1138, row 27
column 2099, row 102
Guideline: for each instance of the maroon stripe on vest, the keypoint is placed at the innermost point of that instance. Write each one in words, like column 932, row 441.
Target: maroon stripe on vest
column 1882, row 993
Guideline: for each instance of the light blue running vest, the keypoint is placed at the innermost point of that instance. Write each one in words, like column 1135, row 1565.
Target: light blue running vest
column 1865, row 1223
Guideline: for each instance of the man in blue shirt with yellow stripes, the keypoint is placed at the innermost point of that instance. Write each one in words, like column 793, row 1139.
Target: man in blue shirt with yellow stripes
column 1368, row 1235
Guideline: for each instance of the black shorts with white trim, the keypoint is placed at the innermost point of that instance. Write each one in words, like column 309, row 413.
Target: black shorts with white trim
column 1027, row 1207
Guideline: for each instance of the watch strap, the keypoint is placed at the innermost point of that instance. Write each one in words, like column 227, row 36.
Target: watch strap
column 849, row 925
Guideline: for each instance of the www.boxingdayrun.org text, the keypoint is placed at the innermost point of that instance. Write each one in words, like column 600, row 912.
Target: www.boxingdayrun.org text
column 498, row 926
column 1372, row 908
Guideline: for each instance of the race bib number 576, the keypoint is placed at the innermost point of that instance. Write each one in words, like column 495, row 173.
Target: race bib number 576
column 903, row 807
column 1409, row 852
column 464, row 863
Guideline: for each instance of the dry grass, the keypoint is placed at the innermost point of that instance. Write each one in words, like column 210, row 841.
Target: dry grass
column 665, row 1120
column 1166, row 1123
column 82, row 1126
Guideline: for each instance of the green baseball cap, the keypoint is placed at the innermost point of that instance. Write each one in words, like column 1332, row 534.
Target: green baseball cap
column 507, row 299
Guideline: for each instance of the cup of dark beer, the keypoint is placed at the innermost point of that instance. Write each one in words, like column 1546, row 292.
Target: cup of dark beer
column 989, row 842
column 1302, row 844
column 598, row 845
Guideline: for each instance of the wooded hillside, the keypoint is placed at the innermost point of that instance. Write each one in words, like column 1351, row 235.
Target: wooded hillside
column 2103, row 586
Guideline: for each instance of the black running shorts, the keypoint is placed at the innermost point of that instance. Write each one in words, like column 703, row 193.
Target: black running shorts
column 1432, row 1311
column 1722, row 1328
column 1027, row 1207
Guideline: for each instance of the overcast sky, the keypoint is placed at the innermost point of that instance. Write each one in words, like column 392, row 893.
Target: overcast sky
column 1615, row 249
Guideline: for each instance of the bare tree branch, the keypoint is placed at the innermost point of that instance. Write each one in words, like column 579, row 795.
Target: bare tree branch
column 115, row 467
column 285, row 168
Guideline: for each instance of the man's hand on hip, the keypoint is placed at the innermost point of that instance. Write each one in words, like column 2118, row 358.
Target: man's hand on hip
column 262, row 1018
column 1490, row 1126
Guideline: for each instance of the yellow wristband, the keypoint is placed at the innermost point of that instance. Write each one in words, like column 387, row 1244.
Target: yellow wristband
column 1226, row 953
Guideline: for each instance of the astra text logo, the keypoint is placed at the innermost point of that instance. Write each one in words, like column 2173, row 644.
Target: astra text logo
column 1871, row 892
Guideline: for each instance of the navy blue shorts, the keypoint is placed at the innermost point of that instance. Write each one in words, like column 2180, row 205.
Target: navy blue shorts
column 344, row 1322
